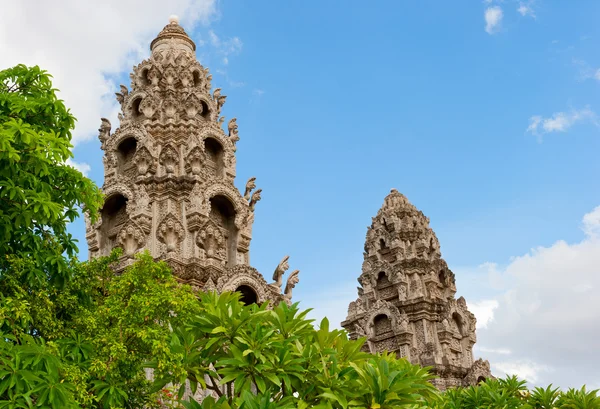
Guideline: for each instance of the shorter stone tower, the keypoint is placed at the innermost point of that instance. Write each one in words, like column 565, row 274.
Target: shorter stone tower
column 406, row 298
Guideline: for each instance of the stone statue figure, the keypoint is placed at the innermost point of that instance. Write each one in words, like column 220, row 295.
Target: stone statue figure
column 104, row 130
column 279, row 271
column 232, row 127
column 121, row 95
column 207, row 82
column 219, row 99
column 250, row 186
column 291, row 283
column 254, row 199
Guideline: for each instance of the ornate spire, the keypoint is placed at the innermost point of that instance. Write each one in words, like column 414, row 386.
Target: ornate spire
column 401, row 226
column 406, row 299
column 169, row 176
column 172, row 34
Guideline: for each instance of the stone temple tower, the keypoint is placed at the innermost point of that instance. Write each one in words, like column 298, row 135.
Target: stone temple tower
column 406, row 298
column 169, row 171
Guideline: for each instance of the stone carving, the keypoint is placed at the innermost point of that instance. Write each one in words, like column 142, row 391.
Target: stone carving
column 250, row 186
column 233, row 133
column 255, row 198
column 280, row 271
column 149, row 106
column 121, row 95
column 292, row 280
column 219, row 100
column 169, row 159
column 194, row 161
column 403, row 321
column 413, row 300
column 170, row 232
column 131, row 238
column 142, row 200
column 232, row 127
column 104, row 131
column 210, row 239
column 193, row 106
column 170, row 106
column 144, row 161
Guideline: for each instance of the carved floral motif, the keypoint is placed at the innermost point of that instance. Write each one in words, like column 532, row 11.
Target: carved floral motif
column 170, row 232
column 169, row 158
column 131, row 238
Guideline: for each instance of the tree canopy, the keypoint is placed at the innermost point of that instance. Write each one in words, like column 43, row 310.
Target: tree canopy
column 39, row 193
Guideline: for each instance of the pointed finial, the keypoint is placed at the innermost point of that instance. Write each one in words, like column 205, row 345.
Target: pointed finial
column 173, row 19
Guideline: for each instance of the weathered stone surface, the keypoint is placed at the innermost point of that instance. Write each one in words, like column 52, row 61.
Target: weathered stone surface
column 406, row 298
column 169, row 171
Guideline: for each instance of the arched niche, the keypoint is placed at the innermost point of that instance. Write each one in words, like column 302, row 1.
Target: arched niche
column 144, row 77
column 125, row 153
column 114, row 216
column 222, row 213
column 205, row 110
column 197, row 76
column 215, row 157
column 136, row 113
column 382, row 325
column 480, row 380
column 458, row 323
column 382, row 280
column 442, row 277
column 248, row 295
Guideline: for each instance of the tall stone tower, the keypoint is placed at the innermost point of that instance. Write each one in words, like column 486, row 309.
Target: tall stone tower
column 406, row 298
column 168, row 178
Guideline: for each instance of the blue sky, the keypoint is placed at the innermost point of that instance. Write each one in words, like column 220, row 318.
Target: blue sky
column 482, row 113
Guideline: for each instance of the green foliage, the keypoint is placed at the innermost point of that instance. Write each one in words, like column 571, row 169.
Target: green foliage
column 39, row 193
column 511, row 393
column 105, row 329
column 254, row 357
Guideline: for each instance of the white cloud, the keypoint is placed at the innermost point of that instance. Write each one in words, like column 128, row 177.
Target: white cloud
column 549, row 315
column 484, row 311
column 493, row 17
column 534, row 123
column 257, row 94
column 525, row 9
column 560, row 121
column 80, row 166
column 493, row 351
column 586, row 71
column 231, row 46
column 85, row 47
column 527, row 370
column 591, row 223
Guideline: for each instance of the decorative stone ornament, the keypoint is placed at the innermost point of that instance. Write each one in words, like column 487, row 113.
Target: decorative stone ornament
column 409, row 291
column 170, row 149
